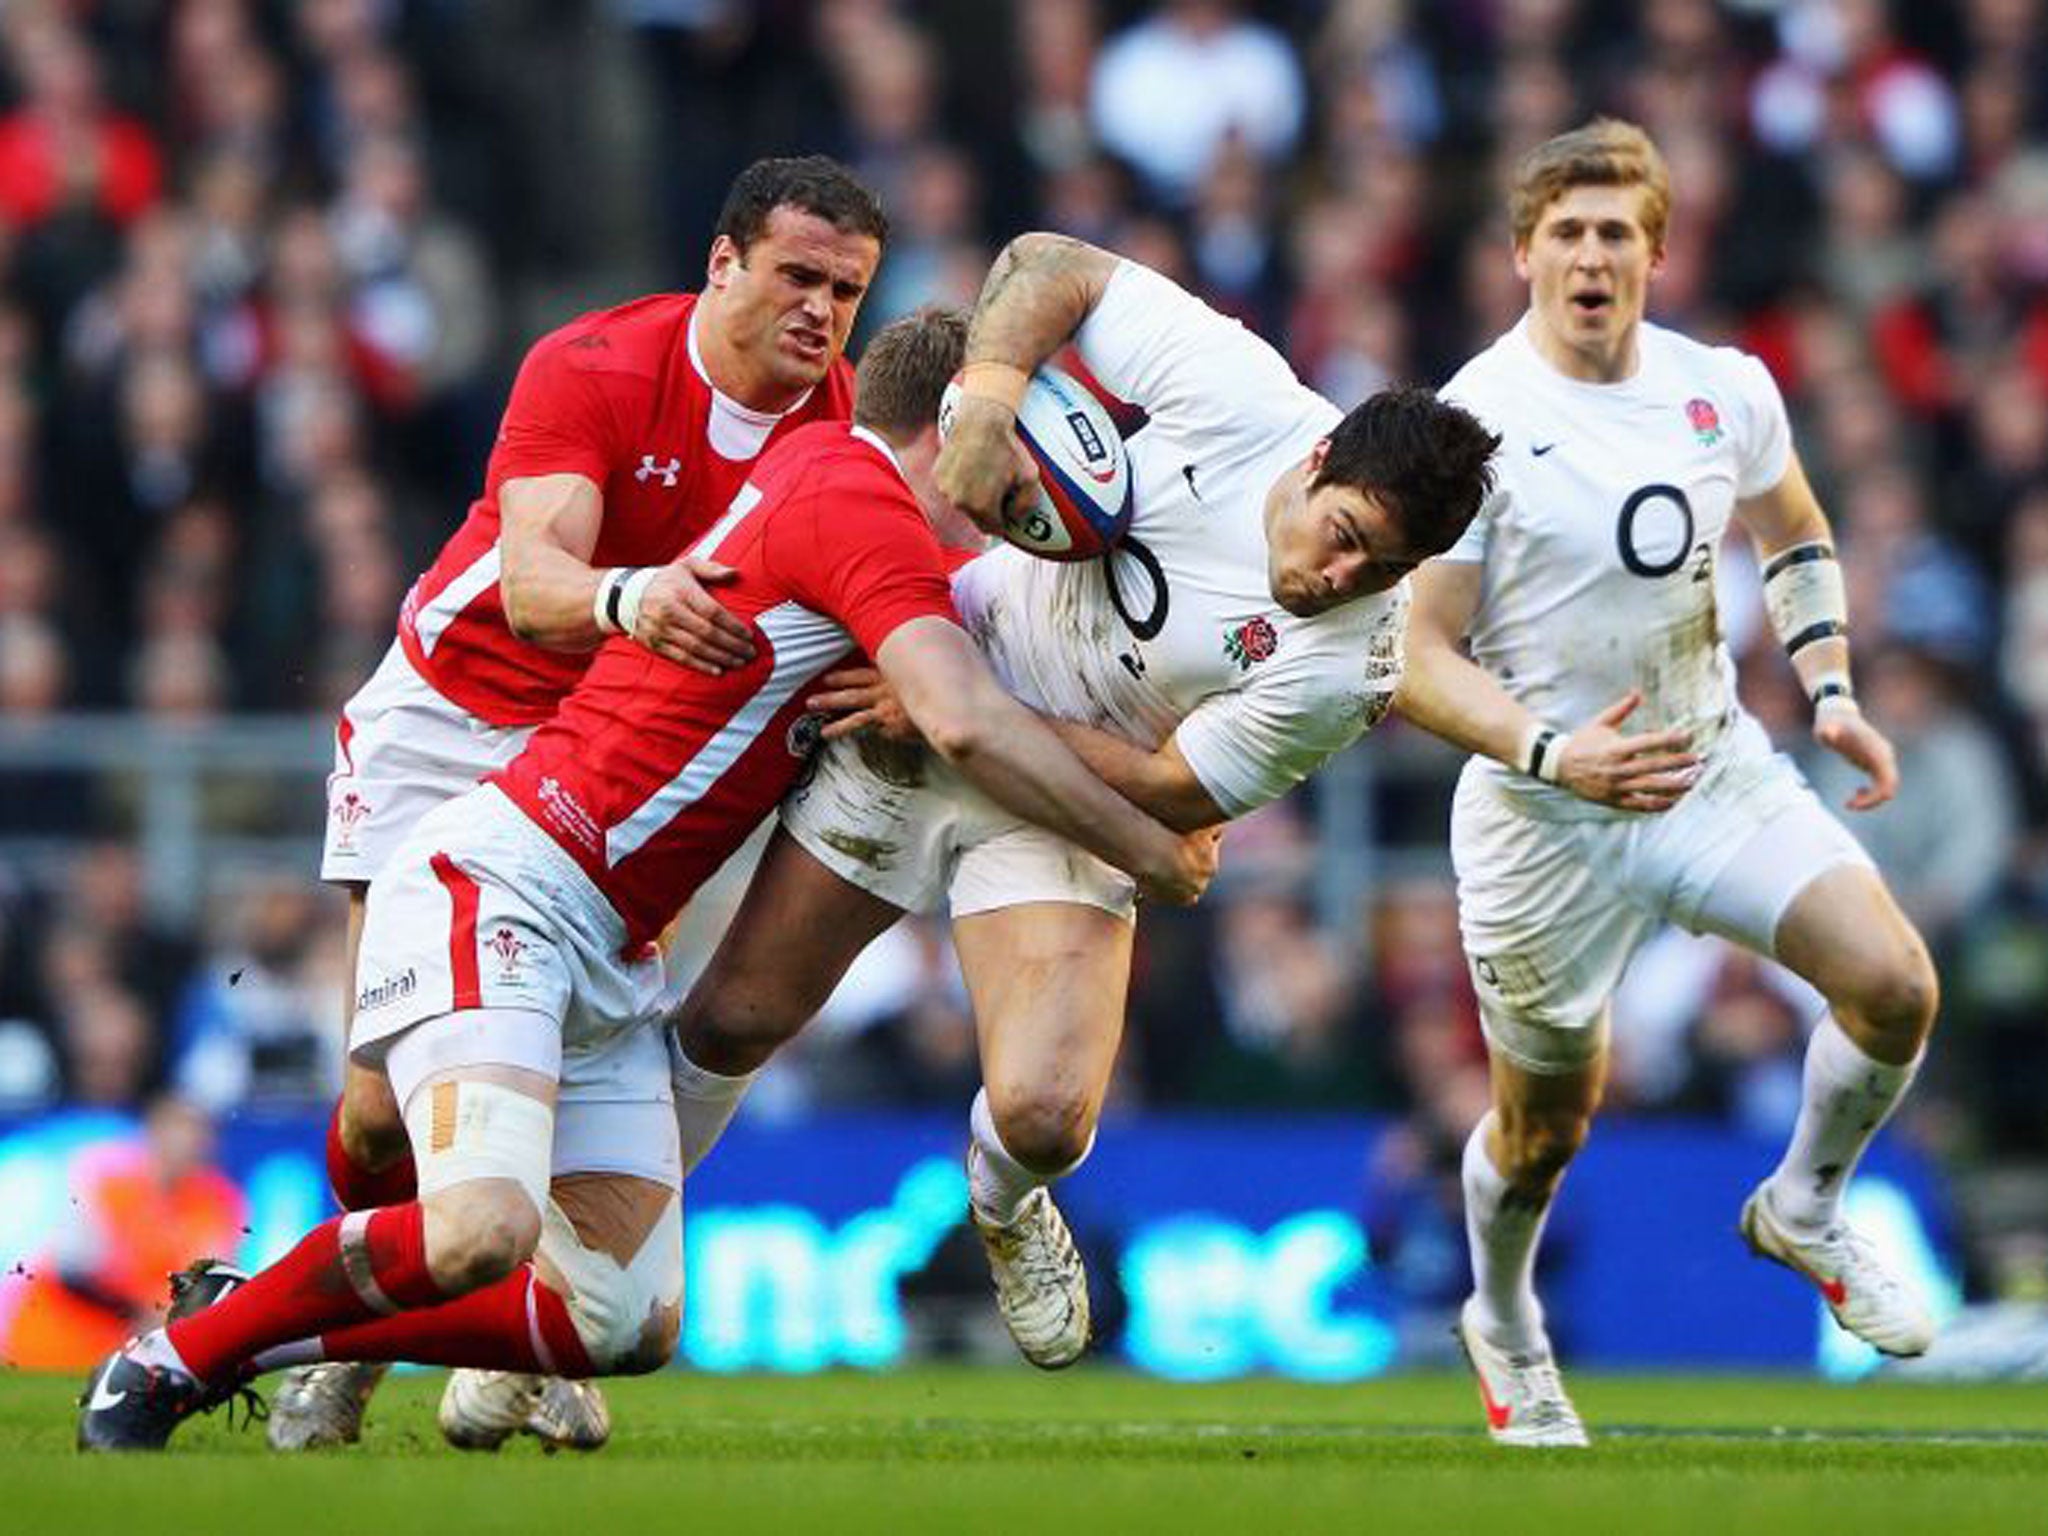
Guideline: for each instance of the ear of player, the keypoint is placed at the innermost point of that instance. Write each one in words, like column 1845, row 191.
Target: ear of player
column 1083, row 504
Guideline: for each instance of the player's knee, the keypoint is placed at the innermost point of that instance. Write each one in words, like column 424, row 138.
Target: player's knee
column 1044, row 1127
column 732, row 1034
column 372, row 1134
column 478, row 1234
column 1891, row 1013
column 1540, row 1147
column 628, row 1317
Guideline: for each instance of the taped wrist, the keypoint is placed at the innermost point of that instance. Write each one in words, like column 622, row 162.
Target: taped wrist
column 1542, row 752
column 1803, row 592
column 616, row 607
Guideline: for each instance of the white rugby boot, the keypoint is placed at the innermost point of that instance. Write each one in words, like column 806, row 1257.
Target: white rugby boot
column 1865, row 1294
column 1522, row 1394
column 318, row 1407
column 481, row 1410
column 1041, row 1286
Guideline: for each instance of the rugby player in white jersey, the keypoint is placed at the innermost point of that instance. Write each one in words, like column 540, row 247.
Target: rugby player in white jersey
column 1585, row 588
column 1247, row 628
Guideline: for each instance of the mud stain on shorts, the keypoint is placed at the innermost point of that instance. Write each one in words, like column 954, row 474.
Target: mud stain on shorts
column 894, row 762
column 876, row 853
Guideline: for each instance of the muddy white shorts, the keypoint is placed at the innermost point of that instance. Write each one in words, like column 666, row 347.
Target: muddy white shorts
column 479, row 909
column 904, row 825
column 1552, row 910
column 400, row 749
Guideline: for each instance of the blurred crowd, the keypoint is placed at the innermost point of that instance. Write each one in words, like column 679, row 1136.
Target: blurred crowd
column 265, row 269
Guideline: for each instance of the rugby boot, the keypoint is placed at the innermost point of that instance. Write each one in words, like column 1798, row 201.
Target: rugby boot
column 1041, row 1286
column 1867, row 1296
column 321, row 1406
column 570, row 1416
column 128, row 1405
column 1524, row 1398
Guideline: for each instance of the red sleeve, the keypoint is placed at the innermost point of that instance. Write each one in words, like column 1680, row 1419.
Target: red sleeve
column 558, row 421
column 858, row 548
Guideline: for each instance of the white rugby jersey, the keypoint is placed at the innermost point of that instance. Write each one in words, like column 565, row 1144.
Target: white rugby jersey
column 1600, row 539
column 1176, row 633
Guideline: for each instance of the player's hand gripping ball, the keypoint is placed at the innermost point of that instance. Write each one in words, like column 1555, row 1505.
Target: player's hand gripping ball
column 1082, row 504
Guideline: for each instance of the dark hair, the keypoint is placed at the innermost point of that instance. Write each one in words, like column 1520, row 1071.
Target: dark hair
column 817, row 184
column 904, row 371
column 1428, row 462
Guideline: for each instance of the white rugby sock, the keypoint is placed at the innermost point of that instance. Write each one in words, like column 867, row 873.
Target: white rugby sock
column 1503, row 1234
column 705, row 1105
column 996, row 1182
column 1848, row 1095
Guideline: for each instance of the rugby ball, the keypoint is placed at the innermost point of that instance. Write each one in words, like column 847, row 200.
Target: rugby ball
column 1083, row 505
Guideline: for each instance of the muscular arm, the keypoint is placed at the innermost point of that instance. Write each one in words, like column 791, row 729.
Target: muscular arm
column 1038, row 292
column 547, row 534
column 548, row 530
column 1008, row 752
column 1450, row 695
column 1160, row 783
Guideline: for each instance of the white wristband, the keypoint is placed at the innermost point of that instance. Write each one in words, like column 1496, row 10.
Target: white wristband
column 616, row 606
column 1542, row 752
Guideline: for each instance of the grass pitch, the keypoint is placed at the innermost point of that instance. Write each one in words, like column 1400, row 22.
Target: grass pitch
column 979, row 1451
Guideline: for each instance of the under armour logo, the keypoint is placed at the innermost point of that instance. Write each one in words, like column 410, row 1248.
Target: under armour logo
column 649, row 469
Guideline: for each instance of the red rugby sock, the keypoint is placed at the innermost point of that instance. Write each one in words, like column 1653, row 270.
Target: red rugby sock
column 355, row 1267
column 357, row 1188
column 518, row 1324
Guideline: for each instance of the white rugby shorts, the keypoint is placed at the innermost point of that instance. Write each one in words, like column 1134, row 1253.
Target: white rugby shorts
column 480, row 909
column 400, row 749
column 903, row 824
column 1551, row 911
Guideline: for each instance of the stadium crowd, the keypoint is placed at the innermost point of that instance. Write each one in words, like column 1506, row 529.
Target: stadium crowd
column 265, row 269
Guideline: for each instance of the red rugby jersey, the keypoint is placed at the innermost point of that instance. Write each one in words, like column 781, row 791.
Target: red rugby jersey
column 650, row 774
column 618, row 396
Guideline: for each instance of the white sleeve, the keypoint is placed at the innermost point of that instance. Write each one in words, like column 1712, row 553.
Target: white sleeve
column 1257, row 742
column 1471, row 546
column 1153, row 343
column 1765, row 452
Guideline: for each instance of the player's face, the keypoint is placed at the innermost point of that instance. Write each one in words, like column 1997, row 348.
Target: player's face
column 1588, row 265
column 785, row 306
column 1329, row 545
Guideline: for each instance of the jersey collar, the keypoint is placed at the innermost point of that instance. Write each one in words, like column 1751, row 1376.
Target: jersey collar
column 867, row 435
column 719, row 397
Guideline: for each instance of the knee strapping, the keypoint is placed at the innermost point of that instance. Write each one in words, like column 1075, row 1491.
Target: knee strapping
column 468, row 1130
column 617, row 1309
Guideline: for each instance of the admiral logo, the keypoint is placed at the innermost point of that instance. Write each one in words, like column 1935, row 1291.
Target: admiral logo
column 389, row 990
column 508, row 947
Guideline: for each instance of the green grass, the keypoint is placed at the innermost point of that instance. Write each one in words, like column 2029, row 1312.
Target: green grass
column 976, row 1451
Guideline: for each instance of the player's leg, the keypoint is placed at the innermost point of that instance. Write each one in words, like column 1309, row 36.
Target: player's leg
column 369, row 1160
column 1801, row 890
column 1047, row 981
column 1547, row 932
column 798, row 928
column 479, row 1096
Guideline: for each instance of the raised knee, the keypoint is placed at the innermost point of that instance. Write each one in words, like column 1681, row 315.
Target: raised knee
column 734, row 1036
column 1893, row 1013
column 1045, row 1129
column 653, row 1348
column 481, row 1239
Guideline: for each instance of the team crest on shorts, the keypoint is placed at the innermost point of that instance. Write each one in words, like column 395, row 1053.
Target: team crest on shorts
column 1252, row 641
column 508, row 947
column 805, row 732
column 1706, row 421
column 347, row 813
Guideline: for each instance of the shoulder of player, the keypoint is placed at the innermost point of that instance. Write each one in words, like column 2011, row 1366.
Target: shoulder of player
column 1705, row 360
column 826, row 459
column 633, row 339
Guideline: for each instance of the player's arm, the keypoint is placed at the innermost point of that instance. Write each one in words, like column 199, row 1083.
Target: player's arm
column 554, row 597
column 1448, row 694
column 1809, row 612
column 1037, row 294
column 954, row 700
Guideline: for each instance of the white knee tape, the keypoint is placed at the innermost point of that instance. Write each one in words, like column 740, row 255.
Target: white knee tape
column 610, row 1304
column 465, row 1130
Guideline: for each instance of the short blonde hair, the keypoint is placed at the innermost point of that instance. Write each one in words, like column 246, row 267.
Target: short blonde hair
column 1607, row 152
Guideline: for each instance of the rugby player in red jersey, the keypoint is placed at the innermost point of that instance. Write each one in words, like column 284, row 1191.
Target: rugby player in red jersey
column 509, row 988
column 627, row 434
